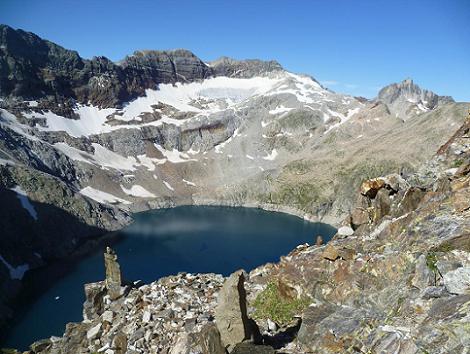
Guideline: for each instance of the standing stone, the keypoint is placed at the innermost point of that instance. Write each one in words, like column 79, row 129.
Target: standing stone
column 113, row 274
column 231, row 314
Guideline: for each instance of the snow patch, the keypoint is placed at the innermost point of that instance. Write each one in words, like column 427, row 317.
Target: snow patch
column 137, row 191
column 25, row 202
column 218, row 148
column 280, row 109
column 102, row 157
column 15, row 272
column 168, row 185
column 189, row 183
column 102, row 197
column 174, row 155
column 272, row 156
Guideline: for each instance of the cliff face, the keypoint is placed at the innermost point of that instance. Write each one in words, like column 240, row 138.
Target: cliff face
column 396, row 279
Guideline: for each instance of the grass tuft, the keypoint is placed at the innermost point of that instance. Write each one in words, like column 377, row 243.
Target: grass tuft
column 270, row 304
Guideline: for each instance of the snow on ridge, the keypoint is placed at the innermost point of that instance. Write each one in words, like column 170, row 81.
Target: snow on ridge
column 181, row 95
column 272, row 156
column 9, row 119
column 102, row 197
column 15, row 272
column 25, row 202
column 137, row 191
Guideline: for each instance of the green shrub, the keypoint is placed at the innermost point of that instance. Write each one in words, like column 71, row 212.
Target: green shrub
column 270, row 304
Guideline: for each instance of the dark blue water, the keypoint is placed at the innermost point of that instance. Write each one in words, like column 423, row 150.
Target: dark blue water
column 163, row 242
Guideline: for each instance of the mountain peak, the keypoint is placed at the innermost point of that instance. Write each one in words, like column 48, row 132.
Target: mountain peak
column 406, row 99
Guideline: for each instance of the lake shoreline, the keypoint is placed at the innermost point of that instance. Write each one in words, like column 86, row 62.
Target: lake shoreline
column 49, row 272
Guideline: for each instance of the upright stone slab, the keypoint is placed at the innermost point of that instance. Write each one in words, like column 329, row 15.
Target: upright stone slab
column 230, row 314
column 113, row 274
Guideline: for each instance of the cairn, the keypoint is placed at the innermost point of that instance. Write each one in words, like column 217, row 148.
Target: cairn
column 113, row 274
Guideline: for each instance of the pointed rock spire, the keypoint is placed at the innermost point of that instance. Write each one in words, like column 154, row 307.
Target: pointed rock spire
column 113, row 274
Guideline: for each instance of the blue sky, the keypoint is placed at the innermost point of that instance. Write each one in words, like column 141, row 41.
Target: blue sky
column 354, row 47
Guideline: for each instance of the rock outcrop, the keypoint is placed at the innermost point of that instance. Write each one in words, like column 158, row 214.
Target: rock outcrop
column 231, row 313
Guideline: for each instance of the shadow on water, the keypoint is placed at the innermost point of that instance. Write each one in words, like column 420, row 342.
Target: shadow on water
column 195, row 239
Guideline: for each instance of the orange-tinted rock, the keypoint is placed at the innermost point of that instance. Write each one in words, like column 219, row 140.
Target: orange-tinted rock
column 330, row 252
column 370, row 187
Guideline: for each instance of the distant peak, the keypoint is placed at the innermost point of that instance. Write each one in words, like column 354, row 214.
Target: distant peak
column 406, row 99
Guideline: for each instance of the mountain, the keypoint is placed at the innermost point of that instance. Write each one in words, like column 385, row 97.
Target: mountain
column 406, row 99
column 84, row 143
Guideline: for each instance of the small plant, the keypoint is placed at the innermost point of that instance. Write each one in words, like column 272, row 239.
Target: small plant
column 457, row 163
column 431, row 263
column 271, row 304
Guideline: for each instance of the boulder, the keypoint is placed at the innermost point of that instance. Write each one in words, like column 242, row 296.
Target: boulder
column 250, row 348
column 359, row 216
column 345, row 231
column 458, row 281
column 330, row 252
column 231, row 313
column 382, row 204
column 93, row 305
column 209, row 341
column 94, row 332
column 370, row 187
column 410, row 200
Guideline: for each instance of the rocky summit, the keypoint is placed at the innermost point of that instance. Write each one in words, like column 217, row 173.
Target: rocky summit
column 84, row 143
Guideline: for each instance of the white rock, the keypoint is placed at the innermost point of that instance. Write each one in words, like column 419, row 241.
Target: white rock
column 103, row 348
column 271, row 325
column 146, row 317
column 345, row 231
column 93, row 332
column 107, row 316
column 458, row 281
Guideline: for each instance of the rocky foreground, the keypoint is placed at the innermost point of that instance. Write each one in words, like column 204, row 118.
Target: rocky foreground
column 396, row 279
